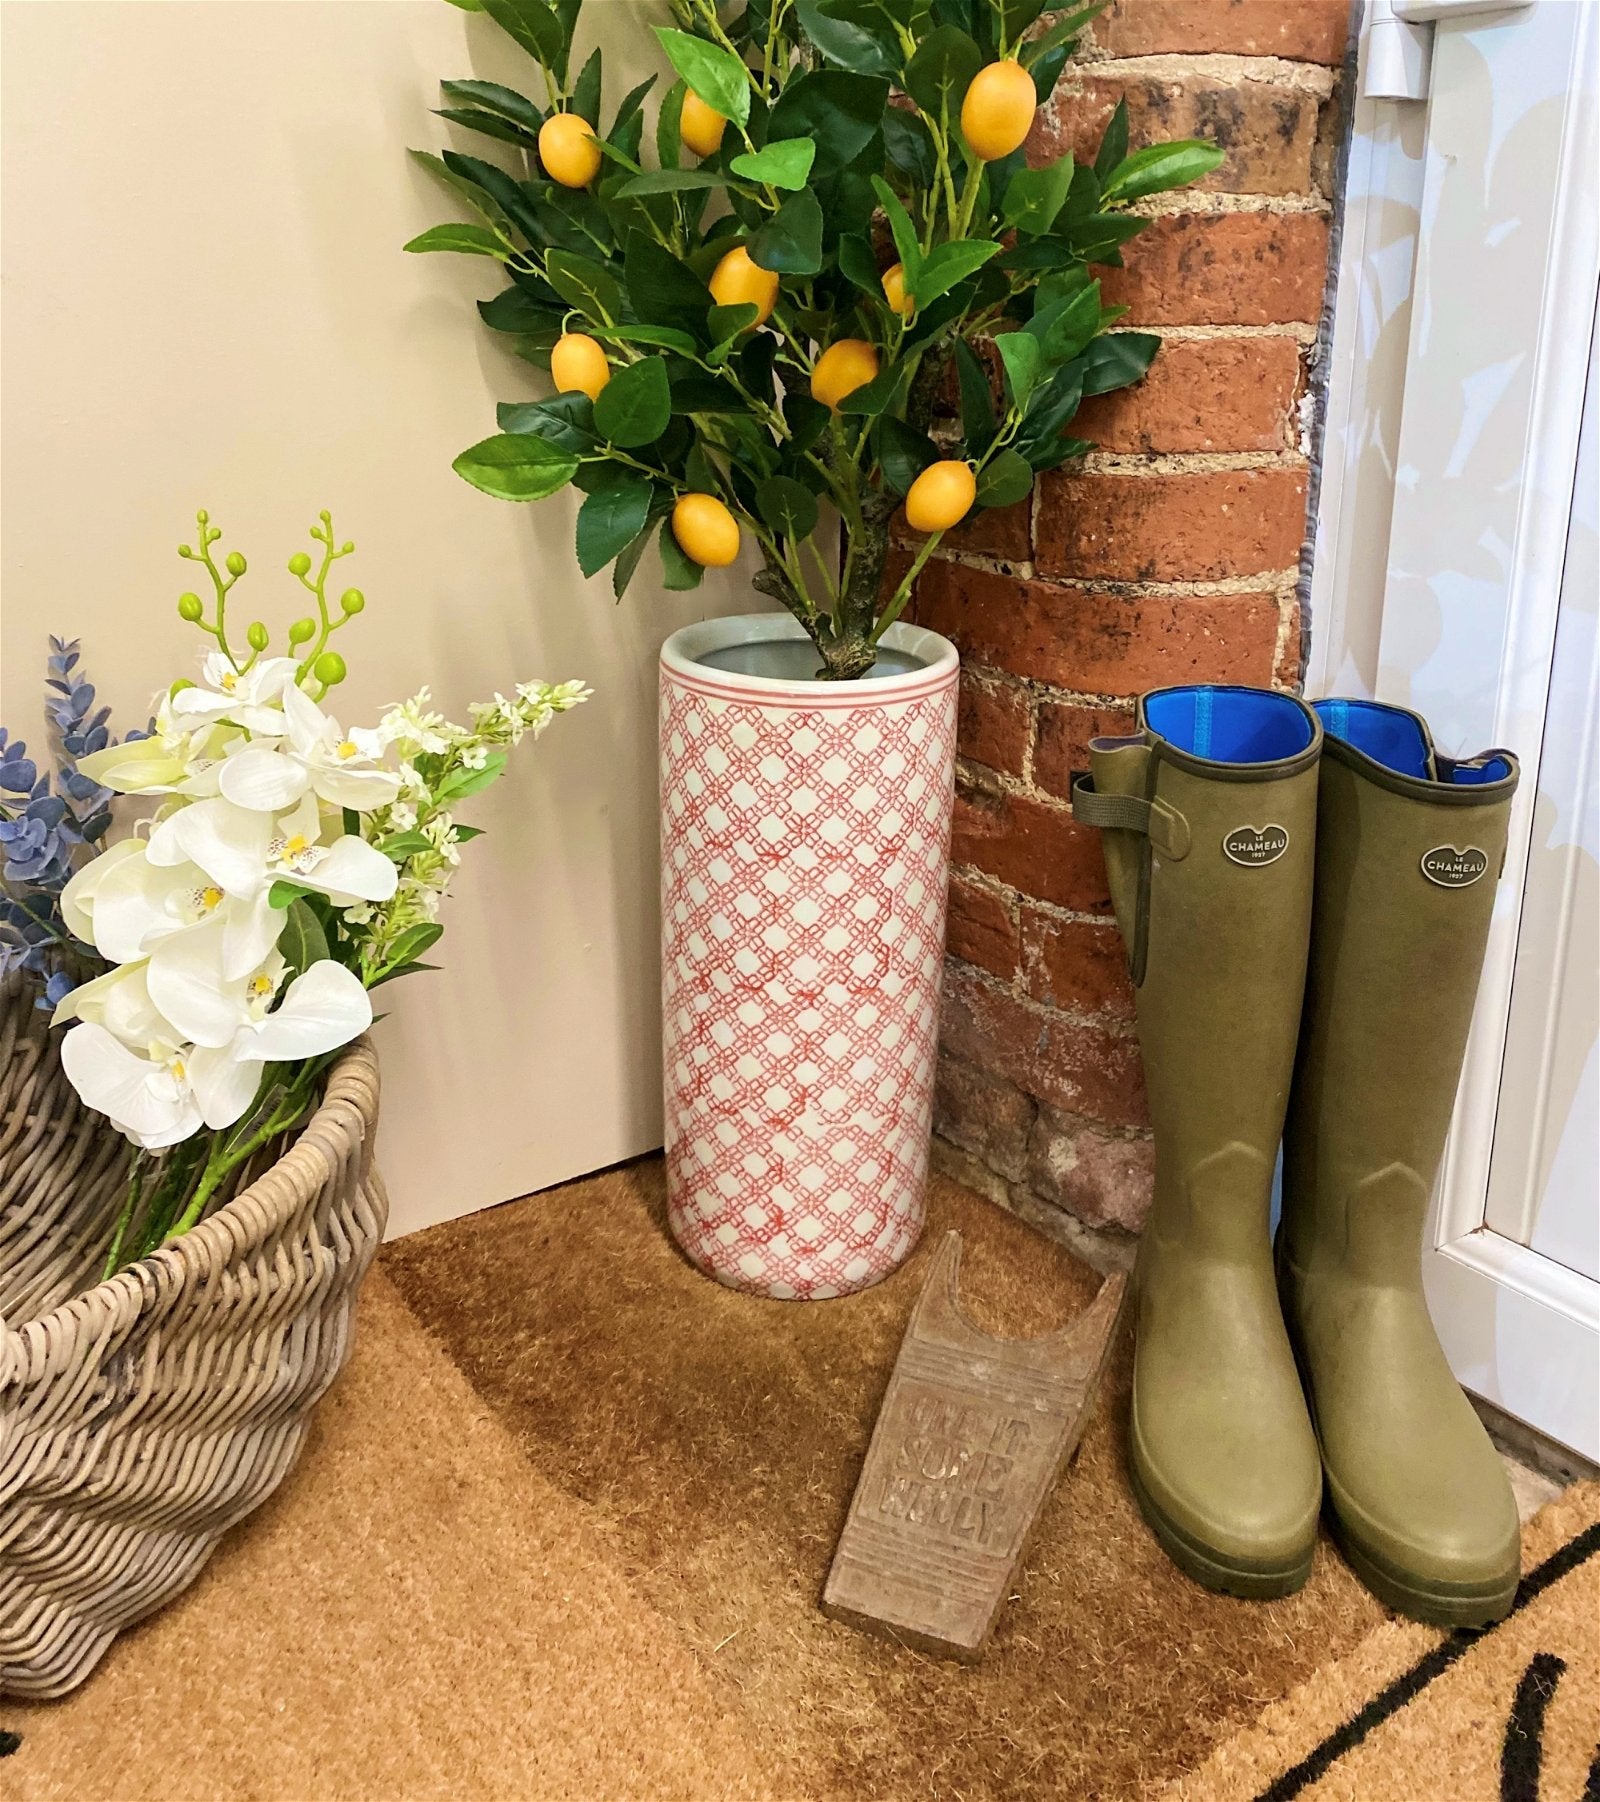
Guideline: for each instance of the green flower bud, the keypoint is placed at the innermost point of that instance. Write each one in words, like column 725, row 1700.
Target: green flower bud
column 234, row 563
column 203, row 517
column 257, row 636
column 301, row 630
column 190, row 608
column 352, row 600
column 329, row 669
column 299, row 564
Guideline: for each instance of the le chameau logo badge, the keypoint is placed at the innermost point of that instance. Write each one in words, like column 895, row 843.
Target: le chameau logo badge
column 1454, row 866
column 1256, row 846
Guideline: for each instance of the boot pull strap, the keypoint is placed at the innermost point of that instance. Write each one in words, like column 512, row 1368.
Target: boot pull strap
column 1166, row 828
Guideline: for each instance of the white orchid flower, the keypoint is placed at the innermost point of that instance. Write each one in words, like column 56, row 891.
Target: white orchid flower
column 189, row 980
column 177, row 759
column 118, row 1000
column 243, row 852
column 315, row 754
column 130, row 906
column 250, row 698
column 322, row 1009
column 147, row 1095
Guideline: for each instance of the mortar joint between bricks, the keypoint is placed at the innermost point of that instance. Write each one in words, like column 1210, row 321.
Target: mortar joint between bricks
column 1271, row 581
column 1302, row 333
column 1188, row 463
column 1045, row 1011
column 1315, row 79
column 1213, row 205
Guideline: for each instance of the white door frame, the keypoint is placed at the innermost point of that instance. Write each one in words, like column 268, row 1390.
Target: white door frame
column 1490, row 402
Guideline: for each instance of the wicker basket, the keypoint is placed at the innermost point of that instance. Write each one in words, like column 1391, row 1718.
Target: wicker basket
column 143, row 1416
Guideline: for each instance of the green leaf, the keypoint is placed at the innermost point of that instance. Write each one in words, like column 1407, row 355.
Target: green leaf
column 978, row 423
column 401, row 845
column 613, row 516
column 284, row 894
column 948, row 265
column 670, row 181
column 669, row 141
column 507, row 102
column 788, row 507
column 785, row 164
column 1035, row 196
column 838, row 111
column 1098, row 236
column 1051, row 409
column 678, row 572
column 565, row 420
column 468, row 782
column 512, row 310
column 516, row 467
column 506, row 193
column 1117, row 359
column 942, row 70
column 410, row 945
column 664, row 290
column 470, row 240
column 1016, row 16
column 482, row 204
column 635, row 405
column 1113, row 143
column 903, row 452
column 585, row 284
column 1022, row 357
column 878, row 395
column 790, row 243
column 1061, row 32
column 1158, row 167
column 534, row 26
column 586, row 91
column 807, row 420
column 491, row 125
column 854, row 37
column 1066, row 326
column 627, row 562
column 1046, row 72
column 1004, row 481
column 716, row 75
column 860, row 265
column 906, row 242
column 726, row 326
column 302, row 940
column 663, row 337
column 910, row 148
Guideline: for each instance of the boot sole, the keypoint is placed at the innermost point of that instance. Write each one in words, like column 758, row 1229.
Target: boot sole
column 1439, row 1604
column 1206, row 1566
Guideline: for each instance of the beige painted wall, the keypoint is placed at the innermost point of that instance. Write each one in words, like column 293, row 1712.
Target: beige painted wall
column 205, row 303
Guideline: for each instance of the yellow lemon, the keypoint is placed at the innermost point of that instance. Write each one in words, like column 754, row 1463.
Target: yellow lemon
column 998, row 110
column 568, row 151
column 738, row 281
column 701, row 126
column 894, row 288
column 579, row 365
column 941, row 496
column 842, row 368
column 705, row 530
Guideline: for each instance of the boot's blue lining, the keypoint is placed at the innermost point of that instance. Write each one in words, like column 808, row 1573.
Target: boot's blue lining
column 1229, row 725
column 1394, row 738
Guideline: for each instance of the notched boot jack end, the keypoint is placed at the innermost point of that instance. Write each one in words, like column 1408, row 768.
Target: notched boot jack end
column 1409, row 849
column 1209, row 819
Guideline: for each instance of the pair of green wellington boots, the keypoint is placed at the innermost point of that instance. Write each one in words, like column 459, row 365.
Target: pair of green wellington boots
column 1305, row 896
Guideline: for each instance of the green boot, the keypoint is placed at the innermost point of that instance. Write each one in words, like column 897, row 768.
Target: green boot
column 1210, row 832
column 1409, row 847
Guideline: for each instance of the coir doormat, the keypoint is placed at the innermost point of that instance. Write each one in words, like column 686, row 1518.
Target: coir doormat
column 1509, row 1714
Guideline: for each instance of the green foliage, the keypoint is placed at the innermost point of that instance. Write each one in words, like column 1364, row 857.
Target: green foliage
column 842, row 154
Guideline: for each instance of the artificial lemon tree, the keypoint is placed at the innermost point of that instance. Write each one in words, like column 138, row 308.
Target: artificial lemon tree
column 755, row 334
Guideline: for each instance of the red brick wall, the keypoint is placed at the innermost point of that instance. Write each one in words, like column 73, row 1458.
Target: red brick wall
column 1171, row 556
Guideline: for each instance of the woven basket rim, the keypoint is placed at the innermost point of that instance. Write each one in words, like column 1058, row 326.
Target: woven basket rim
column 348, row 1112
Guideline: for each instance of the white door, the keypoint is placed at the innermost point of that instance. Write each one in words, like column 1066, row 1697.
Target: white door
column 1486, row 624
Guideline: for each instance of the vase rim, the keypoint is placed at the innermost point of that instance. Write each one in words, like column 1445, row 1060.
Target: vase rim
column 681, row 655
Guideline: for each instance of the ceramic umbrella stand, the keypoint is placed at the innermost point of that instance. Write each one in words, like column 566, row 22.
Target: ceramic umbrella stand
column 805, row 845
